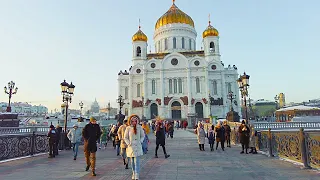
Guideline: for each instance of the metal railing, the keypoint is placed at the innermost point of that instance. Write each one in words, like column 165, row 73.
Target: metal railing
column 286, row 125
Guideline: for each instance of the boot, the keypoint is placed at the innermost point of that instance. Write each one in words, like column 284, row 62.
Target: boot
column 255, row 151
column 93, row 173
column 87, row 168
column 127, row 166
column 156, row 156
column 247, row 151
column 124, row 162
column 136, row 176
column 166, row 156
column 133, row 176
column 200, row 147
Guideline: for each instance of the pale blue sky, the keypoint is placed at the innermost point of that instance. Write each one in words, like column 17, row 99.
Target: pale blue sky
column 43, row 42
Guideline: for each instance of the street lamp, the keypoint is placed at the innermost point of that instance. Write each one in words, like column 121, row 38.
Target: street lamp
column 231, row 97
column 142, row 98
column 120, row 116
column 276, row 98
column 81, row 106
column 109, row 109
column 243, row 83
column 67, row 93
column 10, row 90
column 210, row 104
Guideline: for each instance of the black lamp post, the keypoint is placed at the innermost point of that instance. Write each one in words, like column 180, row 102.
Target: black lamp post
column 109, row 109
column 243, row 83
column 81, row 107
column 231, row 97
column 120, row 115
column 10, row 90
column 210, row 104
column 67, row 93
column 276, row 99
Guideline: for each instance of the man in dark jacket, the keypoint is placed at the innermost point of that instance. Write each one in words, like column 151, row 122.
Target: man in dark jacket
column 227, row 133
column 91, row 133
column 244, row 132
column 58, row 130
column 52, row 134
column 161, row 140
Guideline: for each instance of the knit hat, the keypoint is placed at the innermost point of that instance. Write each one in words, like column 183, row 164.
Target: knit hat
column 75, row 125
column 51, row 126
column 92, row 119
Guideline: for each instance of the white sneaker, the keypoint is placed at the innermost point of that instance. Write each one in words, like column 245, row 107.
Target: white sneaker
column 133, row 176
column 137, row 176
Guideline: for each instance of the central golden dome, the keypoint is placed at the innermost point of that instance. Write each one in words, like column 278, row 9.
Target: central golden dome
column 174, row 15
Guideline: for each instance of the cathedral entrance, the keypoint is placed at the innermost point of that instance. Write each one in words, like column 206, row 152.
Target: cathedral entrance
column 199, row 109
column 176, row 110
column 153, row 110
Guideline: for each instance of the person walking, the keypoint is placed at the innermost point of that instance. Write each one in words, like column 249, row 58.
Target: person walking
column 52, row 134
column 211, row 137
column 123, row 144
column 103, row 138
column 91, row 133
column 58, row 143
column 145, row 143
column 74, row 136
column 201, row 136
column 133, row 137
column 244, row 133
column 220, row 135
column 161, row 139
column 227, row 133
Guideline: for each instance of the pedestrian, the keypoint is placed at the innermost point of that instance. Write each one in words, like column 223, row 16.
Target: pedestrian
column 220, row 135
column 103, row 138
column 145, row 143
column 52, row 134
column 91, row 133
column 201, row 136
column 252, row 143
column 171, row 129
column 161, row 139
column 123, row 144
column 116, row 137
column 227, row 133
column 211, row 137
column 244, row 133
column 58, row 143
column 134, row 137
column 74, row 136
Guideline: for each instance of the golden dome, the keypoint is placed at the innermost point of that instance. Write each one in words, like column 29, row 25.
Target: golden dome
column 210, row 31
column 139, row 36
column 174, row 15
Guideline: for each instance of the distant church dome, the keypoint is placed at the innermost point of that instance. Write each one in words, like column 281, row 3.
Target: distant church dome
column 174, row 15
column 210, row 31
column 139, row 36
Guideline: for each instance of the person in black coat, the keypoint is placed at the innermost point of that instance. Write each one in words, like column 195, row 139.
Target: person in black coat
column 220, row 135
column 52, row 134
column 91, row 133
column 161, row 140
column 244, row 132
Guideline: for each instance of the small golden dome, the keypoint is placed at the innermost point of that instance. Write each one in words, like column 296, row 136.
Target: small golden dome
column 139, row 36
column 210, row 31
column 174, row 15
column 63, row 105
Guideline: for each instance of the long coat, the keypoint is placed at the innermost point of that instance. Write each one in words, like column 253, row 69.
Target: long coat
column 244, row 132
column 220, row 134
column 134, row 141
column 201, row 135
column 252, row 140
column 91, row 133
column 121, row 132
column 211, row 137
column 74, row 135
column 160, row 137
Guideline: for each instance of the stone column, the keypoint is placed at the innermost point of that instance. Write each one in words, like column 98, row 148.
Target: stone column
column 162, row 92
column 145, row 92
column 189, row 91
column 130, row 95
column 224, row 93
column 207, row 85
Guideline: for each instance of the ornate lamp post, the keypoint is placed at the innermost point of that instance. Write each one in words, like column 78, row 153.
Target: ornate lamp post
column 81, row 107
column 231, row 97
column 67, row 93
column 243, row 83
column 109, row 109
column 276, row 99
column 10, row 90
column 121, row 103
column 142, row 98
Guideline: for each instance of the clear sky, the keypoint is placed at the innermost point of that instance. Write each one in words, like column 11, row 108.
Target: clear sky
column 43, row 42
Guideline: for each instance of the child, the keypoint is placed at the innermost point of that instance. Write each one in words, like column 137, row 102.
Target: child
column 211, row 137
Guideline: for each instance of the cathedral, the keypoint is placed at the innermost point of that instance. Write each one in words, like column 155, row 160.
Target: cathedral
column 177, row 80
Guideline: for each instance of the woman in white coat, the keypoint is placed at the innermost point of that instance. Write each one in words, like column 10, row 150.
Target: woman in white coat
column 201, row 136
column 133, row 137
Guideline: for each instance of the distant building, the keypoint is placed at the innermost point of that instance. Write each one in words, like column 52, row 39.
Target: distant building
column 95, row 108
column 264, row 108
column 287, row 114
column 282, row 100
column 24, row 108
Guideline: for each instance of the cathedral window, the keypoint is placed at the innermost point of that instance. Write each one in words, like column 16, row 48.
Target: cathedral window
column 138, row 51
column 170, row 86
column 126, row 90
column 153, row 86
column 174, row 43
column 180, row 85
column 182, row 43
column 138, row 90
column 175, row 87
column 215, row 88
column 212, row 47
column 197, row 85
column 229, row 87
column 165, row 44
column 190, row 44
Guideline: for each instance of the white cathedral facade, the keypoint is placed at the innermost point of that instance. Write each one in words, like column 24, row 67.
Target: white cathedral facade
column 177, row 79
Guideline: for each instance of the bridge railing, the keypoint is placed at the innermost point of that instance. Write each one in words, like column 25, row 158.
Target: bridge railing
column 20, row 145
column 286, row 125
column 301, row 145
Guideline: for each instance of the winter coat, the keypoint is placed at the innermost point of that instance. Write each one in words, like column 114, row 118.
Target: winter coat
column 52, row 134
column 220, row 134
column 103, row 137
column 74, row 135
column 160, row 137
column 91, row 133
column 244, row 132
column 201, row 135
column 253, row 139
column 121, row 131
column 227, row 131
column 211, row 137
column 134, row 141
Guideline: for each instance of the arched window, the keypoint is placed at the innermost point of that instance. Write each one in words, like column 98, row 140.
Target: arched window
column 174, row 43
column 165, row 44
column 175, row 87
column 126, row 90
column 138, row 90
column 138, row 51
column 215, row 88
column 197, row 85
column 182, row 43
column 229, row 87
column 190, row 44
column 153, row 86
column 212, row 47
column 180, row 85
column 170, row 86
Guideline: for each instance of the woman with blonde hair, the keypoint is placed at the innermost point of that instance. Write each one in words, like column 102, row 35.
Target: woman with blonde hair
column 220, row 135
column 134, row 137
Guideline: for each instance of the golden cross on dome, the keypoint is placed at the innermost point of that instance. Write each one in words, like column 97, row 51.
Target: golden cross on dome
column 139, row 24
column 209, row 20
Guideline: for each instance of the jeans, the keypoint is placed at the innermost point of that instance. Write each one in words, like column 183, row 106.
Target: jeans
column 118, row 149
column 135, row 164
column 75, row 147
